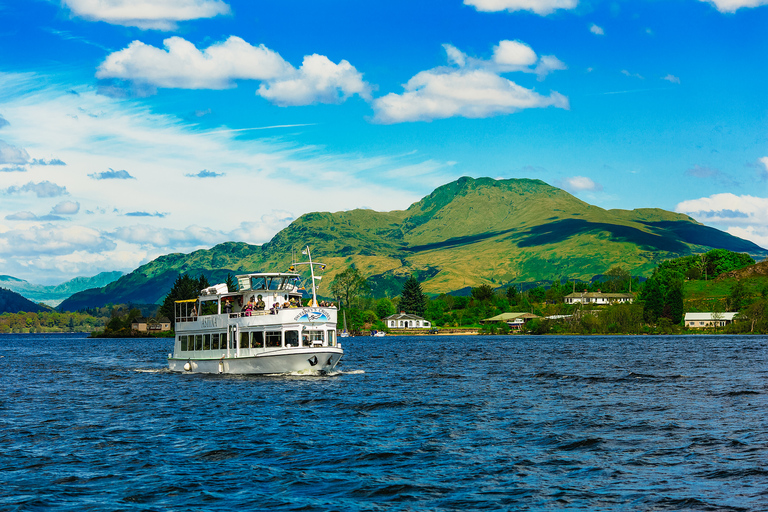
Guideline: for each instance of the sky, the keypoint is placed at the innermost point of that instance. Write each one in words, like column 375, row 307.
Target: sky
column 131, row 129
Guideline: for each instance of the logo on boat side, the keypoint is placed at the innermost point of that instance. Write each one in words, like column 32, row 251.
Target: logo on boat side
column 311, row 315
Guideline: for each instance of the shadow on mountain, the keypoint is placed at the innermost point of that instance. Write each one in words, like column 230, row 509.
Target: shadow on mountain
column 563, row 230
column 704, row 235
column 457, row 241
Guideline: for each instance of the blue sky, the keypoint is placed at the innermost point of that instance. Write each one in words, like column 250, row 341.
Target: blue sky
column 135, row 128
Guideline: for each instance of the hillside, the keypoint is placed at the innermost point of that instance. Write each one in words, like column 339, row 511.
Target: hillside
column 12, row 302
column 53, row 295
column 465, row 233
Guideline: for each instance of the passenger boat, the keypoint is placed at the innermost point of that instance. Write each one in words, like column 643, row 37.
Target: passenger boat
column 259, row 329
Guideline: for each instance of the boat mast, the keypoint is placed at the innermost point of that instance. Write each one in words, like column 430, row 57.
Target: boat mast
column 314, row 288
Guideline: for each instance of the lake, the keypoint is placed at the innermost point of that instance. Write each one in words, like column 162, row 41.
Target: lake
column 409, row 423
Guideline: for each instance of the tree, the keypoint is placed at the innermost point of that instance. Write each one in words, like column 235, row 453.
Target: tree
column 482, row 293
column 384, row 307
column 184, row 288
column 652, row 298
column 348, row 286
column 738, row 297
column 231, row 283
column 412, row 299
column 512, row 295
column 674, row 301
column 618, row 278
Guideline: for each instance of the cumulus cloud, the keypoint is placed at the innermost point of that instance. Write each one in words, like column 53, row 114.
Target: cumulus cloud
column 146, row 14
column 146, row 214
column 318, row 80
column 150, row 236
column 734, row 5
column 596, row 30
column 21, row 216
column 580, row 184
column 66, row 208
column 182, row 66
column 671, row 78
column 764, row 161
column 744, row 216
column 541, row 7
column 205, row 174
column 633, row 75
column 42, row 189
column 43, row 161
column 112, row 174
column 3, row 122
column 12, row 155
column 13, row 168
column 473, row 88
column 52, row 240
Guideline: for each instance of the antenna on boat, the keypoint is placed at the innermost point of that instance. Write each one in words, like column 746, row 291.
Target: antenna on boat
column 312, row 271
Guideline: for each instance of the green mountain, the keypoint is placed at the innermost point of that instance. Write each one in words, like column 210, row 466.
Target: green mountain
column 53, row 295
column 466, row 233
column 12, row 302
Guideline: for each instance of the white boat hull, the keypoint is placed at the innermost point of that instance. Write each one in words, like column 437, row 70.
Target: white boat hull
column 281, row 361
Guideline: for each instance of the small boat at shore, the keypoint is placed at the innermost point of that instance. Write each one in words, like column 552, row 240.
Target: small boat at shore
column 259, row 329
column 378, row 334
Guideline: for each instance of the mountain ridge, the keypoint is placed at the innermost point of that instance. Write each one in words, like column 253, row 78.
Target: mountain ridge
column 465, row 233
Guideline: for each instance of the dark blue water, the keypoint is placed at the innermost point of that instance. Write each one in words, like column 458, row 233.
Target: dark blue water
column 417, row 424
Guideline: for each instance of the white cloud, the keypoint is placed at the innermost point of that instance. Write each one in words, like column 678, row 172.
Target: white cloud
column 542, row 7
column 50, row 239
column 734, row 5
column 596, row 30
column 671, row 78
column 744, row 216
column 182, row 66
column 41, row 189
column 317, row 80
column 473, row 89
column 580, row 184
column 764, row 161
column 146, row 14
column 12, row 155
column 633, row 75
column 66, row 208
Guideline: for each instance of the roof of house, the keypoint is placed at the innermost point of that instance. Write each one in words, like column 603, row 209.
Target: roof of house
column 506, row 317
column 596, row 295
column 710, row 316
column 403, row 316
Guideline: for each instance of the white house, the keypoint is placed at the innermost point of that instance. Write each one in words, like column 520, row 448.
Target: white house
column 599, row 298
column 406, row 321
column 704, row 320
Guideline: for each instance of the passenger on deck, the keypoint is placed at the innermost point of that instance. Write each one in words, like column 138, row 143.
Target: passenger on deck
column 275, row 308
column 260, row 306
column 227, row 307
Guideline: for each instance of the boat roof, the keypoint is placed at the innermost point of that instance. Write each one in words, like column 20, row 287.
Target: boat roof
column 270, row 274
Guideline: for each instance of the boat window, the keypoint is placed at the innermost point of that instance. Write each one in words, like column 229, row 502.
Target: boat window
column 315, row 337
column 331, row 338
column 257, row 341
column 198, row 342
column 206, row 342
column 183, row 341
column 244, row 339
column 274, row 338
column 291, row 338
column 209, row 307
column 258, row 283
column 243, row 283
column 215, row 342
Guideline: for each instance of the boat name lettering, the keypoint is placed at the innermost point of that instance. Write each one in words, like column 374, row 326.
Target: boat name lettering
column 311, row 315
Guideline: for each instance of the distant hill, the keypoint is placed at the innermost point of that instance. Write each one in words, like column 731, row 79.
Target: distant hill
column 12, row 302
column 466, row 233
column 53, row 295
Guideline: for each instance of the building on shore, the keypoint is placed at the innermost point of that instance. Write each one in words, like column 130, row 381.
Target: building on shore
column 706, row 320
column 151, row 325
column 404, row 320
column 599, row 298
column 514, row 320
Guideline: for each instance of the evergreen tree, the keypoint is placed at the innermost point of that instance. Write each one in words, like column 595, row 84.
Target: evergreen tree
column 675, row 303
column 231, row 283
column 412, row 299
column 652, row 298
column 184, row 288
